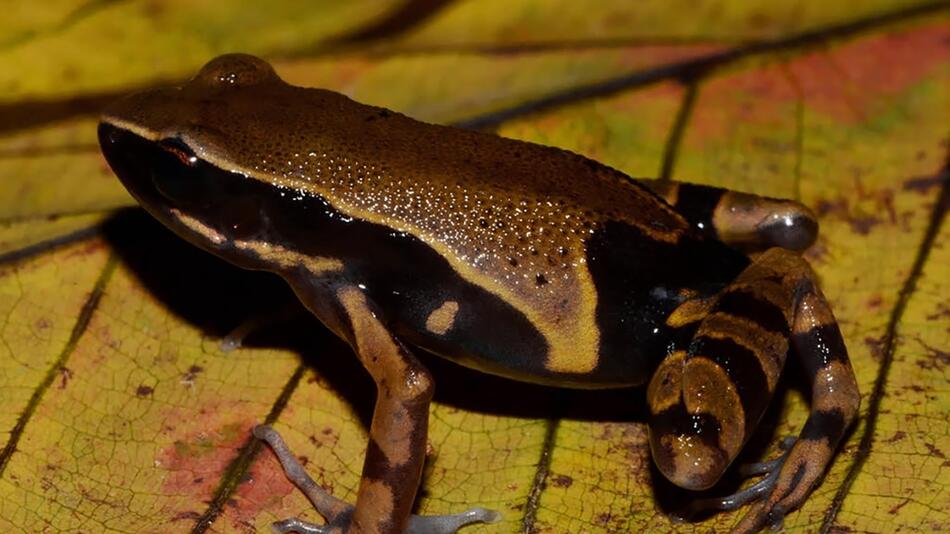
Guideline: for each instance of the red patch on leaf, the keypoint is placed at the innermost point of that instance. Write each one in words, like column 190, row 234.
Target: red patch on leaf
column 207, row 440
column 265, row 488
column 199, row 456
column 847, row 82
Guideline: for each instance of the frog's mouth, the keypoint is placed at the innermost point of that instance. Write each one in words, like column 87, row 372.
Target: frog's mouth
column 165, row 176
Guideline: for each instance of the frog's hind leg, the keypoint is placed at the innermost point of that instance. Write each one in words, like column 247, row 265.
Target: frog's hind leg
column 817, row 341
column 396, row 451
column 743, row 220
column 706, row 401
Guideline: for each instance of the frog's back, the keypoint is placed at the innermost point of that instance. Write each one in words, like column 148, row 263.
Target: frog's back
column 532, row 227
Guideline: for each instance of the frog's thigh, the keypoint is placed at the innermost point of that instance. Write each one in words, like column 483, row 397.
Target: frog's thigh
column 740, row 219
column 835, row 400
column 705, row 402
column 396, row 451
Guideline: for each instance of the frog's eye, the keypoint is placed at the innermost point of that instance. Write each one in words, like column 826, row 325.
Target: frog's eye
column 180, row 150
column 236, row 70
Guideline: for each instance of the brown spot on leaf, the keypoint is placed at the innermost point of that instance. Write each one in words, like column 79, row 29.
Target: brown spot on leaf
column 863, row 224
column 934, row 451
column 186, row 516
column 64, row 375
column 899, row 435
column 824, row 207
column 876, row 347
column 143, row 391
column 936, row 358
column 922, row 184
column 894, row 509
column 192, row 373
column 942, row 311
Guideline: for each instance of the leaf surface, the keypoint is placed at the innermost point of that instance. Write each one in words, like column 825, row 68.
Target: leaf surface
column 119, row 412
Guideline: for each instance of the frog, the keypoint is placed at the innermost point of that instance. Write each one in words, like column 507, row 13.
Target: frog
column 511, row 258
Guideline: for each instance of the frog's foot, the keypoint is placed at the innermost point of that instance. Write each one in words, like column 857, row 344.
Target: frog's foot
column 796, row 475
column 742, row 220
column 338, row 512
column 769, row 469
column 234, row 339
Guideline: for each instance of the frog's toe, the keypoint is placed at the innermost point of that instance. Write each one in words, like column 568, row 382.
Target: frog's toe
column 327, row 505
column 770, row 470
column 789, row 480
column 769, row 466
column 418, row 524
column 447, row 524
column 235, row 338
column 301, row 527
column 338, row 512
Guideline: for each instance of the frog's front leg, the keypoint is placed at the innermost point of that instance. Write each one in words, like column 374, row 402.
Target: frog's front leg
column 706, row 401
column 743, row 220
column 396, row 451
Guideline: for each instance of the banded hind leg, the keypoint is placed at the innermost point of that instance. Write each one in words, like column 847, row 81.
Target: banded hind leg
column 705, row 401
column 743, row 220
column 395, row 454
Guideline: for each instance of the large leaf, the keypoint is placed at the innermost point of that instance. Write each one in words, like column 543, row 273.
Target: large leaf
column 120, row 413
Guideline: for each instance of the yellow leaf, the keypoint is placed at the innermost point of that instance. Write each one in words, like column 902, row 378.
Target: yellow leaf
column 119, row 412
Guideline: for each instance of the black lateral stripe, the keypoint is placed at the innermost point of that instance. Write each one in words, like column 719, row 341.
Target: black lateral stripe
column 741, row 303
column 820, row 346
column 697, row 202
column 823, row 425
column 743, row 368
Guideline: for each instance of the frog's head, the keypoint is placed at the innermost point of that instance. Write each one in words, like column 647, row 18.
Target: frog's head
column 197, row 157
